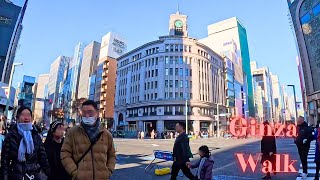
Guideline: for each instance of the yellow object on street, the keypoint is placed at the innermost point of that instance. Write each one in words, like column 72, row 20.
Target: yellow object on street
column 163, row 171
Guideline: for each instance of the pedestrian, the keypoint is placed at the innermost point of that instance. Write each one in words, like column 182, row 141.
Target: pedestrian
column 302, row 141
column 23, row 155
column 204, row 165
column 142, row 134
column 3, row 125
column 88, row 151
column 53, row 145
column 152, row 134
column 139, row 135
column 171, row 135
column 181, row 153
column 268, row 149
column 317, row 152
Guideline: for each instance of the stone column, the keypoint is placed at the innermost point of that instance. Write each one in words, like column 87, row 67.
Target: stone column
column 160, row 126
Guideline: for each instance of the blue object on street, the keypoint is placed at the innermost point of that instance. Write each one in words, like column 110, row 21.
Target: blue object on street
column 165, row 155
column 1, row 140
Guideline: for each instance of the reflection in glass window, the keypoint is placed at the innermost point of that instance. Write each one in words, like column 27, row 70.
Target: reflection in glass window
column 316, row 10
column 305, row 19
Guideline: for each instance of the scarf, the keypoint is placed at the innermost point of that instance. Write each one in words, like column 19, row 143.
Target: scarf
column 202, row 161
column 92, row 131
column 26, row 143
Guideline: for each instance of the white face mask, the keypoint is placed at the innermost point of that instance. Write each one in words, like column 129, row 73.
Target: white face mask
column 89, row 121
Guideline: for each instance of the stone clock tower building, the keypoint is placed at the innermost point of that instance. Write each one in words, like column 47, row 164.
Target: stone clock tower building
column 178, row 25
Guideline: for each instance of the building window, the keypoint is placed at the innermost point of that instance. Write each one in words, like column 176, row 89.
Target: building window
column 181, row 95
column 185, row 48
column 167, row 47
column 166, row 83
column 180, row 60
column 166, row 95
column 156, row 96
column 187, row 84
column 151, row 96
column 152, row 61
column 171, row 83
column 171, row 48
column 156, row 72
column 176, row 83
column 177, row 59
column 181, row 83
column 157, row 60
column 190, row 95
column 167, row 71
column 176, row 71
column 152, row 73
column 166, row 59
column 190, row 49
column 190, row 72
column 156, row 84
column 151, row 85
column 171, row 95
column 176, row 48
column 176, row 95
column 181, row 48
column 171, row 71
column 181, row 72
column 187, row 72
column 190, row 84
column 148, row 85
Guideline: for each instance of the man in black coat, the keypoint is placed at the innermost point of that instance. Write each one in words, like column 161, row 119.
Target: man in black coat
column 303, row 141
column 181, row 153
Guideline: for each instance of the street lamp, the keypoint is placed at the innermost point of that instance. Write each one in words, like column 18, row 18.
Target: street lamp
column 9, row 86
column 295, row 101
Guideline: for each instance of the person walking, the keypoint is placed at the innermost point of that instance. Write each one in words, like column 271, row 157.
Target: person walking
column 23, row 155
column 204, row 165
column 142, row 134
column 53, row 145
column 88, row 151
column 268, row 149
column 181, row 153
column 303, row 141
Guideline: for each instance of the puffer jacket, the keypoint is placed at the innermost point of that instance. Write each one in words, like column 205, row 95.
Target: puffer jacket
column 36, row 163
column 206, row 170
column 98, row 164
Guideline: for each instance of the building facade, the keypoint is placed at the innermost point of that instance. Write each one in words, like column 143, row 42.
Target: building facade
column 88, row 67
column 229, row 38
column 277, row 98
column 156, row 80
column 112, row 47
column 263, row 78
column 40, row 97
column 56, row 77
column 26, row 95
column 258, row 101
column 305, row 15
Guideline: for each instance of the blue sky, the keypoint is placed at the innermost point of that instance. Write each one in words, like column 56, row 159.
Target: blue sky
column 53, row 28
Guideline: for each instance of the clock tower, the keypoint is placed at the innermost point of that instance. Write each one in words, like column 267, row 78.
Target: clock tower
column 178, row 25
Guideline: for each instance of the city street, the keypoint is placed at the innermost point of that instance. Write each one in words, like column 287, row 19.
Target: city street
column 134, row 155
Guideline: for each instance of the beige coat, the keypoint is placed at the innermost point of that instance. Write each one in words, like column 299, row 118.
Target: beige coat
column 98, row 164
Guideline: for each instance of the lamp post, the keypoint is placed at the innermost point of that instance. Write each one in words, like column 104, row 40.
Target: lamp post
column 295, row 101
column 9, row 87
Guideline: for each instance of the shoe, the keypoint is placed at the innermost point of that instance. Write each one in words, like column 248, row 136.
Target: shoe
column 267, row 177
column 304, row 175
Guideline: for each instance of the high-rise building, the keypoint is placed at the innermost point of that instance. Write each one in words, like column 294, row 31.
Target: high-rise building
column 88, row 68
column 40, row 97
column 305, row 15
column 263, row 78
column 11, row 17
column 26, row 95
column 258, row 101
column 112, row 47
column 155, row 81
column 277, row 96
column 56, row 77
column 229, row 38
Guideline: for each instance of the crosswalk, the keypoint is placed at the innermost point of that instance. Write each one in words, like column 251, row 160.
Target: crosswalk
column 311, row 164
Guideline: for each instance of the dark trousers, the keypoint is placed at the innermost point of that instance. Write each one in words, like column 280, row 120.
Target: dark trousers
column 303, row 153
column 176, row 166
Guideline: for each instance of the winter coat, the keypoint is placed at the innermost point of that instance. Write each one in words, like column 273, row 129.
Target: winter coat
column 36, row 163
column 268, row 144
column 181, row 149
column 100, row 161
column 304, row 132
column 53, row 150
column 206, row 170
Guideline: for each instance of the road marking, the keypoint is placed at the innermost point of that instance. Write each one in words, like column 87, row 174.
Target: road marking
column 155, row 145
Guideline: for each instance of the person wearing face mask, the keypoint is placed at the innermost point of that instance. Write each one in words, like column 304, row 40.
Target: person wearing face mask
column 88, row 151
column 23, row 155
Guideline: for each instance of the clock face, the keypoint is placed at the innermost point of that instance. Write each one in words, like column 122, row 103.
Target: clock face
column 178, row 23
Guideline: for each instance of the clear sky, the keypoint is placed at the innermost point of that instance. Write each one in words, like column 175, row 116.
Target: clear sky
column 53, row 28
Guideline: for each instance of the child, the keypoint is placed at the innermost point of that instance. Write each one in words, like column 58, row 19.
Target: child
column 53, row 146
column 205, row 164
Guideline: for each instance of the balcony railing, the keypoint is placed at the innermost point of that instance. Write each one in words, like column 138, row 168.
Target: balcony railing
column 179, row 113
column 153, row 113
column 145, row 114
column 167, row 113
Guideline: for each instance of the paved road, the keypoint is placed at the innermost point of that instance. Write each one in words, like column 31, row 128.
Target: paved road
column 134, row 155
